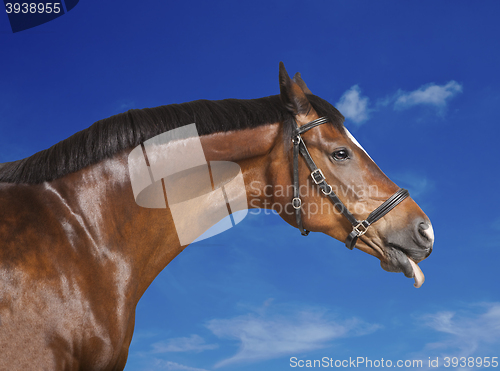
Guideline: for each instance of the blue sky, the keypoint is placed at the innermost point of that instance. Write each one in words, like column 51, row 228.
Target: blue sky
column 420, row 87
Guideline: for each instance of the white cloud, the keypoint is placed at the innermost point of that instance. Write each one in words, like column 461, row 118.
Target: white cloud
column 353, row 106
column 356, row 107
column 194, row 343
column 468, row 332
column 280, row 330
column 429, row 94
column 161, row 364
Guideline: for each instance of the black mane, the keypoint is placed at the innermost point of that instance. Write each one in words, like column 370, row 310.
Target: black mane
column 107, row 137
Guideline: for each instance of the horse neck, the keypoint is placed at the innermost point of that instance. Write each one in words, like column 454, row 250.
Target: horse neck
column 136, row 242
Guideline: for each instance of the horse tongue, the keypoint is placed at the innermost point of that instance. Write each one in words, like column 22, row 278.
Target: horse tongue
column 418, row 275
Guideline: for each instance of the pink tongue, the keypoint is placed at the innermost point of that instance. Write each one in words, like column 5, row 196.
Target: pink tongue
column 418, row 275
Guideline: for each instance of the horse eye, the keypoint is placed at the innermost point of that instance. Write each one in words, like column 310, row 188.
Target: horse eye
column 340, row 155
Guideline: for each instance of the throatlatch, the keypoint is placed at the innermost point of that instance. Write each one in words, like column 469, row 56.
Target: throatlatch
column 359, row 227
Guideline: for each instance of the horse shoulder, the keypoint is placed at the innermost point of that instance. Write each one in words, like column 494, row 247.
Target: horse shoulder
column 47, row 313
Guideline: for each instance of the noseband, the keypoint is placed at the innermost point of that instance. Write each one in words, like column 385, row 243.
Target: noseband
column 359, row 228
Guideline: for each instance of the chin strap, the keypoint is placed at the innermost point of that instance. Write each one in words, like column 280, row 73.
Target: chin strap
column 359, row 227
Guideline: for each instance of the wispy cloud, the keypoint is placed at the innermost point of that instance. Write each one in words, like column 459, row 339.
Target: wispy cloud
column 282, row 330
column 417, row 184
column 161, row 364
column 429, row 94
column 194, row 343
column 469, row 331
column 354, row 106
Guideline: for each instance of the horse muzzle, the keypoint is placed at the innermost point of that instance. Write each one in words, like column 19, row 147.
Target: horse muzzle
column 404, row 249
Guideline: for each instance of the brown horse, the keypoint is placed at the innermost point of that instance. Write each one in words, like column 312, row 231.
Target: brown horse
column 77, row 252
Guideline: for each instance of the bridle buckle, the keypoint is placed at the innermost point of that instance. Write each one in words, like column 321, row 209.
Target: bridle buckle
column 360, row 229
column 328, row 186
column 296, row 203
column 317, row 176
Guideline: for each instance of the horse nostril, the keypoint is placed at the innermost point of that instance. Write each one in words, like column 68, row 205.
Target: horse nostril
column 422, row 229
column 426, row 235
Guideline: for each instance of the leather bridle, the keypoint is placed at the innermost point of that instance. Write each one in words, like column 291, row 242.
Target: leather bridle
column 359, row 228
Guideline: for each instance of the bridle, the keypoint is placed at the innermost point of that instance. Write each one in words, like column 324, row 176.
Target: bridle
column 359, row 228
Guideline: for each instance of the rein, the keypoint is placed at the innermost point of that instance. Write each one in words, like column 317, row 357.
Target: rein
column 359, row 227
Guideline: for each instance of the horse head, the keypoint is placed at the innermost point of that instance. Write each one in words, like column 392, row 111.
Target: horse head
column 401, row 238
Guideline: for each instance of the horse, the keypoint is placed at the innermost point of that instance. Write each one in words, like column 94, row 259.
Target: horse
column 77, row 251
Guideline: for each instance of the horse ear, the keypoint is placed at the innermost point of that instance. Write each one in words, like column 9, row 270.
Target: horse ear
column 292, row 95
column 298, row 79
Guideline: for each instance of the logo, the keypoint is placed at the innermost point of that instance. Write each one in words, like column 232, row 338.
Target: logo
column 27, row 14
column 203, row 197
